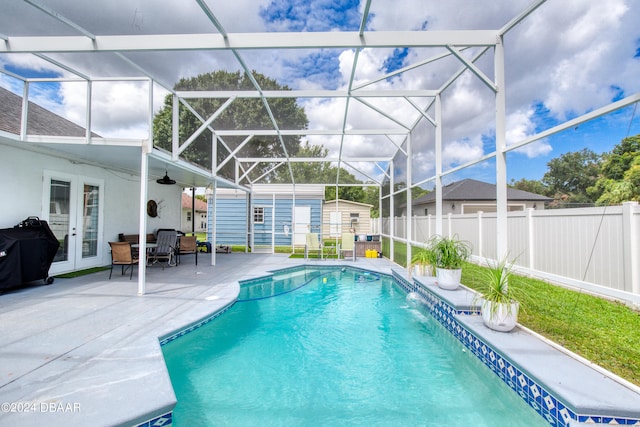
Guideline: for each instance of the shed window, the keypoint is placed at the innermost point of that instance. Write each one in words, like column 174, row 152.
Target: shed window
column 258, row 215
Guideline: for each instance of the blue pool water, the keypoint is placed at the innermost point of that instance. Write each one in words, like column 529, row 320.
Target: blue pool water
column 339, row 347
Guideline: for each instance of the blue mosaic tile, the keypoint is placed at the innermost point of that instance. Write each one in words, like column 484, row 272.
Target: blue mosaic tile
column 163, row 420
column 542, row 401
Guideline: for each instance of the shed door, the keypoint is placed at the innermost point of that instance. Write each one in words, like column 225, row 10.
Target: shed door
column 302, row 224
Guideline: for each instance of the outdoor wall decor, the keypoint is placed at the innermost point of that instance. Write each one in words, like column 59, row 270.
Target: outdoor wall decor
column 152, row 208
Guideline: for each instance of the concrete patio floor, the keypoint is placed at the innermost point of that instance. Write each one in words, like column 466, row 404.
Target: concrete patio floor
column 85, row 351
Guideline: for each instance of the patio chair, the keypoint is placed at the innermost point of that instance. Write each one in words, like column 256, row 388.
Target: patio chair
column 188, row 245
column 121, row 254
column 348, row 244
column 165, row 251
column 313, row 244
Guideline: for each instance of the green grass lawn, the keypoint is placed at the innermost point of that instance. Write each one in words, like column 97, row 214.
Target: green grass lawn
column 604, row 332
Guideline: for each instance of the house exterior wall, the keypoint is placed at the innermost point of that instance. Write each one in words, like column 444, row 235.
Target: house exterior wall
column 21, row 195
column 472, row 206
column 200, row 221
column 231, row 219
column 232, row 214
column 363, row 226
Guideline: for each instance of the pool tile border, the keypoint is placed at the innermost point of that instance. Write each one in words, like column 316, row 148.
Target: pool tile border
column 184, row 331
column 164, row 420
column 552, row 409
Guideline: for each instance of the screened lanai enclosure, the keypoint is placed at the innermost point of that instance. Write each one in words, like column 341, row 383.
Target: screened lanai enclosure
column 222, row 98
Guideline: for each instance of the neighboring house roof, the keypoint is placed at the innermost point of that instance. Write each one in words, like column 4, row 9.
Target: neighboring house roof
column 470, row 189
column 41, row 121
column 200, row 206
column 341, row 201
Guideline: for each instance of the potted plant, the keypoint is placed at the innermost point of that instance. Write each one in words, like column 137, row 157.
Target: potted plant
column 423, row 261
column 499, row 305
column 450, row 254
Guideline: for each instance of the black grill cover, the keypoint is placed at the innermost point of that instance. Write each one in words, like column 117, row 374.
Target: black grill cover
column 26, row 253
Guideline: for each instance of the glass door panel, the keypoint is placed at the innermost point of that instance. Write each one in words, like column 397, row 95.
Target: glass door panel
column 90, row 220
column 59, row 220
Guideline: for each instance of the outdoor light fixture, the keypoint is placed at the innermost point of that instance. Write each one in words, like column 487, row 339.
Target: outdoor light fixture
column 165, row 180
column 453, row 206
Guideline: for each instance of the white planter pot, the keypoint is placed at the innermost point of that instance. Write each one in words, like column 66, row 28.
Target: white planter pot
column 448, row 279
column 502, row 318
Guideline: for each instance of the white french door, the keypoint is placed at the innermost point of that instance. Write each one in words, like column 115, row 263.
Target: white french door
column 73, row 207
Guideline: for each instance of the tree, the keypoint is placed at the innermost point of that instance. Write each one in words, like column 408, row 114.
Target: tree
column 308, row 172
column 245, row 113
column 570, row 175
column 619, row 161
column 620, row 180
column 532, row 186
column 372, row 197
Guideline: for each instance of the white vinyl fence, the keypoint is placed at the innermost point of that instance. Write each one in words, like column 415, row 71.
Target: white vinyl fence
column 596, row 249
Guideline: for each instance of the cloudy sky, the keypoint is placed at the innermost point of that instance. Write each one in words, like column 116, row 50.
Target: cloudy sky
column 568, row 58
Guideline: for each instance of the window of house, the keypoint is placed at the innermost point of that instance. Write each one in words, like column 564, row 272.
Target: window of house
column 188, row 216
column 258, row 215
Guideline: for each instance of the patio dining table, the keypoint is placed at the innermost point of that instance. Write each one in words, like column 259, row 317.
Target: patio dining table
column 151, row 250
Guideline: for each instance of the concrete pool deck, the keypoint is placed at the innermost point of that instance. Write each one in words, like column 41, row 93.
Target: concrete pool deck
column 85, row 351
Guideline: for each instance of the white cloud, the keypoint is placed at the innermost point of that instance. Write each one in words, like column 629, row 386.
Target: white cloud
column 124, row 103
column 570, row 57
column 519, row 127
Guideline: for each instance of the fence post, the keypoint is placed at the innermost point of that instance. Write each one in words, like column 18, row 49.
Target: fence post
column 480, row 234
column 531, row 238
column 631, row 248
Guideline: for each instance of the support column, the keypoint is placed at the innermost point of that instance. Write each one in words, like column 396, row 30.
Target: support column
column 214, row 231
column 214, row 168
column 502, row 242
column 147, row 147
column 175, row 128
column 392, row 219
column 142, row 250
column 409, row 226
column 438, row 152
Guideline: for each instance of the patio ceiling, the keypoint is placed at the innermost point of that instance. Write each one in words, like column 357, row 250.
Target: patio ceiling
column 74, row 39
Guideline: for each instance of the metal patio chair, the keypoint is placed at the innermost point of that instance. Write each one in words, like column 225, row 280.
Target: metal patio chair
column 122, row 254
column 188, row 245
column 165, row 251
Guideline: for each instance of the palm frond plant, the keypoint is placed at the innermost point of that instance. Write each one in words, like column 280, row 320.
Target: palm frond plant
column 450, row 254
column 499, row 301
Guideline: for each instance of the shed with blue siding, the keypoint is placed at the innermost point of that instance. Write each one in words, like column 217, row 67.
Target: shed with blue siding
column 270, row 216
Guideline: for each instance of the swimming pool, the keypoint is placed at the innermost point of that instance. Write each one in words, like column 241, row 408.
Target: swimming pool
column 333, row 347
